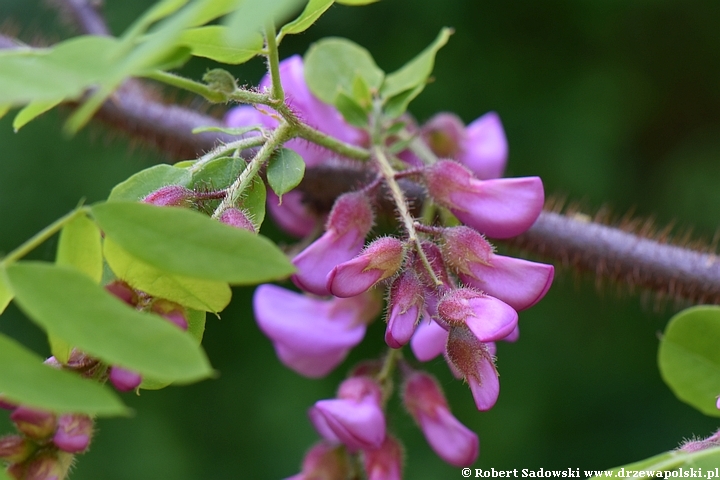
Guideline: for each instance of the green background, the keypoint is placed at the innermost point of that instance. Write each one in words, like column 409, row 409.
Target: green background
column 611, row 102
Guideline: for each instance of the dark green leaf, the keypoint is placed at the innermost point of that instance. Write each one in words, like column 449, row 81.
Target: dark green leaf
column 356, row 3
column 68, row 304
column 80, row 247
column 689, row 357
column 25, row 379
column 32, row 111
column 309, row 15
column 185, row 242
column 199, row 294
column 218, row 173
column 285, row 171
column 213, row 42
column 353, row 113
column 146, row 181
column 253, row 202
column 416, row 72
column 332, row 64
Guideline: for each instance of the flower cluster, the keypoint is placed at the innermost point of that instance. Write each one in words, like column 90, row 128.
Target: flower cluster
column 448, row 291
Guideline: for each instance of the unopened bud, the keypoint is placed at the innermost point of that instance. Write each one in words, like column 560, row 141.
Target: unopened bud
column 123, row 379
column 123, row 291
column 377, row 262
column 236, row 218
column 172, row 312
column 444, row 134
column 405, row 304
column 48, row 466
column 74, row 433
column 472, row 359
column 15, row 448
column 170, row 196
column 36, row 424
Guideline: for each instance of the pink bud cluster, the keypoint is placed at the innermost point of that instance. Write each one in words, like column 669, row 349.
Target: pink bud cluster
column 448, row 291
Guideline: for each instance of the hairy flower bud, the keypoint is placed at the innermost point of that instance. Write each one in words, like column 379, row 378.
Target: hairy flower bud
column 487, row 317
column 48, row 466
column 473, row 360
column 15, row 448
column 34, row 423
column 499, row 208
column 449, row 439
column 444, row 134
column 170, row 196
column 377, row 262
column 238, row 219
column 74, row 433
column 405, row 305
column 172, row 312
column 124, row 379
column 123, row 291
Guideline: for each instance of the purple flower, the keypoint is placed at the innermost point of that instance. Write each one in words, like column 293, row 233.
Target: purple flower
column 349, row 222
column 487, row 317
column 324, row 461
column 311, row 336
column 124, row 379
column 385, row 462
column 500, row 208
column 519, row 283
column 405, row 305
column 73, row 433
column 481, row 146
column 355, row 418
column 450, row 440
column 474, row 361
column 378, row 261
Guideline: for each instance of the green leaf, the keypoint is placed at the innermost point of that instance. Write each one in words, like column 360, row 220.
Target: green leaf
column 285, row 171
column 25, row 379
column 218, row 173
column 689, row 357
column 351, row 111
column 313, row 10
column 68, row 304
column 146, row 181
column 4, row 109
column 251, row 17
column 212, row 42
column 417, row 70
column 671, row 461
column 80, row 247
column 228, row 130
column 199, row 294
column 361, row 93
column 185, row 242
column 59, row 348
column 332, row 64
column 398, row 104
column 356, row 3
column 32, row 111
column 6, row 293
column 254, row 201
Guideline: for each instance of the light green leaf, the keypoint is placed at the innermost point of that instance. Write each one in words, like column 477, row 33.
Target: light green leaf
column 361, row 93
column 199, row 294
column 332, row 64
column 254, row 200
column 351, row 111
column 309, row 15
column 196, row 328
column 146, row 181
column 4, row 109
column 25, row 379
column 228, row 130
column 32, row 111
column 251, row 17
column 185, row 242
column 6, row 293
column 59, row 348
column 689, row 357
column 671, row 461
column 285, row 171
column 218, row 173
column 212, row 42
column 80, row 247
column 398, row 104
column 356, row 3
column 68, row 304
column 417, row 70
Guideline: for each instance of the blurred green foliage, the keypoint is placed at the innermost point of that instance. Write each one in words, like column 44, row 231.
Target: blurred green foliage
column 609, row 102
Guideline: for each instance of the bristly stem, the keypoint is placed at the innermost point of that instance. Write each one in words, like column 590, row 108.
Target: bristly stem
column 187, row 84
column 242, row 144
column 37, row 239
column 273, row 60
column 402, row 209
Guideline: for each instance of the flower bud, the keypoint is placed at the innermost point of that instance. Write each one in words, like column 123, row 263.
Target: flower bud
column 487, row 317
column 73, row 433
column 444, row 134
column 377, row 262
column 405, row 305
column 123, row 291
column 324, row 462
column 48, row 466
column 355, row 418
column 449, row 439
column 36, row 424
column 171, row 311
column 123, row 379
column 238, row 219
column 472, row 359
column 170, row 196
column 349, row 222
column 385, row 462
column 15, row 448
column 500, row 208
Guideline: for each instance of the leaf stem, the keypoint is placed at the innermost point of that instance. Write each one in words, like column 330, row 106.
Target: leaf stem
column 37, row 239
column 331, row 143
column 242, row 144
column 187, row 84
column 273, row 60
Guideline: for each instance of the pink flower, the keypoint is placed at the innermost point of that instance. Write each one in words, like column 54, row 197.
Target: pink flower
column 124, row 379
column 311, row 336
column 449, row 439
column 378, row 261
column 405, row 305
column 429, row 340
column 355, row 418
column 73, row 433
column 324, row 461
column 487, row 317
column 519, row 283
column 500, row 208
column 385, row 462
column 473, row 360
column 349, row 222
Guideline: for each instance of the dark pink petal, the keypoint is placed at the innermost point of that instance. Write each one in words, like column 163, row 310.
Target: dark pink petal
column 428, row 341
column 450, row 440
column 358, row 425
column 519, row 283
column 485, row 149
column 378, row 261
column 487, row 317
column 484, row 385
column 474, row 361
